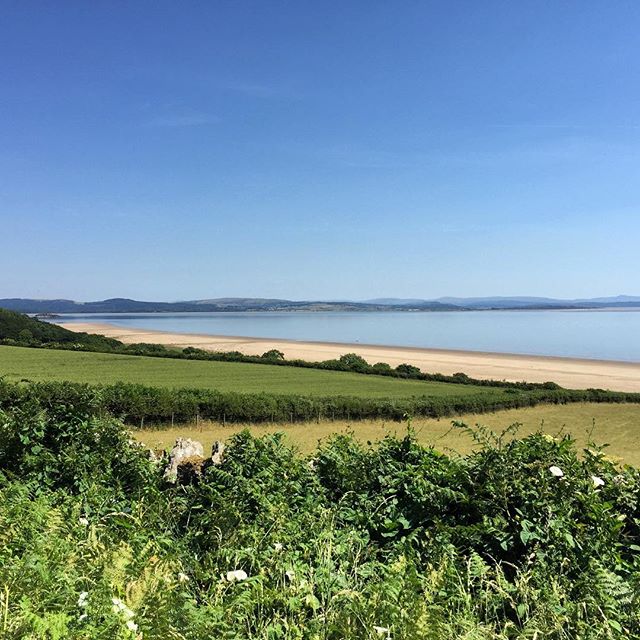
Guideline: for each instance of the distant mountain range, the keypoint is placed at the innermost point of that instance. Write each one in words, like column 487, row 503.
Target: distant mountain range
column 521, row 302
column 125, row 305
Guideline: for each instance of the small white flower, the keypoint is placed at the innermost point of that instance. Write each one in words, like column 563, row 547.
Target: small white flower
column 278, row 546
column 382, row 631
column 121, row 607
column 236, row 576
column 84, row 522
column 132, row 626
column 183, row 577
column 597, row 481
column 290, row 573
column 83, row 617
column 82, row 600
column 556, row 471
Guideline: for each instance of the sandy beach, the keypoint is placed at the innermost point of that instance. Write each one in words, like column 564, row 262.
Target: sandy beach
column 568, row 372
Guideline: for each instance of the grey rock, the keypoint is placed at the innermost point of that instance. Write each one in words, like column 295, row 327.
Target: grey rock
column 217, row 452
column 183, row 448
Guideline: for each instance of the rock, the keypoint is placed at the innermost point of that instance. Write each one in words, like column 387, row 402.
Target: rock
column 157, row 456
column 217, row 452
column 190, row 469
column 183, row 448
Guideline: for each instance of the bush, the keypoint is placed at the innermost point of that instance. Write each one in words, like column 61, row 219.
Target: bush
column 522, row 539
column 140, row 405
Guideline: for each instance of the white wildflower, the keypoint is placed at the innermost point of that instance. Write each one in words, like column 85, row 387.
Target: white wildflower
column 556, row 471
column 278, row 546
column 597, row 481
column 183, row 577
column 83, row 522
column 121, row 607
column 290, row 573
column 132, row 626
column 382, row 631
column 83, row 617
column 236, row 576
column 82, row 600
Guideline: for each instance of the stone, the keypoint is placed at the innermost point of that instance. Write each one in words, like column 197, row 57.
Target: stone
column 183, row 448
column 217, row 452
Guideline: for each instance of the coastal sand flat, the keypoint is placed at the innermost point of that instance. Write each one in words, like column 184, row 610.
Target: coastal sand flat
column 572, row 373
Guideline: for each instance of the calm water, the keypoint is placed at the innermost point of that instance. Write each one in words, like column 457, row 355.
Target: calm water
column 608, row 335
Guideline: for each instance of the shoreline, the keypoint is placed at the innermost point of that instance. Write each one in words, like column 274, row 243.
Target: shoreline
column 572, row 373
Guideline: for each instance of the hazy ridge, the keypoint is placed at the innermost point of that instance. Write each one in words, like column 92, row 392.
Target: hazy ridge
column 126, row 305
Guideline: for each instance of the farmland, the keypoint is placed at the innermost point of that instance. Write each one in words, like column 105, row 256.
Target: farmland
column 18, row 363
column 613, row 424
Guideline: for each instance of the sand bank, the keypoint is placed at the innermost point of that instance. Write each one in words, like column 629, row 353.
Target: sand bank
column 572, row 373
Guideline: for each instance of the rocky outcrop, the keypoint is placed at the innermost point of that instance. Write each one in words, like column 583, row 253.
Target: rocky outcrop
column 184, row 448
column 187, row 462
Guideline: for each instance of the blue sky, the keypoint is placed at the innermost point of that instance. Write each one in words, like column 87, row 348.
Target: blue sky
column 164, row 150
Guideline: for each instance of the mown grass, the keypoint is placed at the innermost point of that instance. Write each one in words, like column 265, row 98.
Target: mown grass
column 19, row 363
column 614, row 424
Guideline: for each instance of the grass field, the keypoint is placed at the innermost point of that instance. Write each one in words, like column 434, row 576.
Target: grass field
column 19, row 363
column 615, row 424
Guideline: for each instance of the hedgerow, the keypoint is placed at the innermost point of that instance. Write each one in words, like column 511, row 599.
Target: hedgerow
column 142, row 405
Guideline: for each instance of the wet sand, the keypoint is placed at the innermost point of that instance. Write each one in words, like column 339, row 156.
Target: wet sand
column 574, row 373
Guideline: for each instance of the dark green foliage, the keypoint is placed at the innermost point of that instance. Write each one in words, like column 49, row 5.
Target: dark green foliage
column 273, row 354
column 139, row 404
column 407, row 371
column 395, row 540
column 18, row 329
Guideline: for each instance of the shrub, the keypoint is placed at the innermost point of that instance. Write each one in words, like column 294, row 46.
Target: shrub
column 397, row 540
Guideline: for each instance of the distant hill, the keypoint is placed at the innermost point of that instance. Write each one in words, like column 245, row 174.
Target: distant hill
column 519, row 302
column 24, row 330
column 126, row 305
column 531, row 302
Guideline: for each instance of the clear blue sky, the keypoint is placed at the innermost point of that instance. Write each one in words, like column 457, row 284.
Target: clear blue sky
column 179, row 150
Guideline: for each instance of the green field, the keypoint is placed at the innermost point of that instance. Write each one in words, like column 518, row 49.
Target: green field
column 20, row 363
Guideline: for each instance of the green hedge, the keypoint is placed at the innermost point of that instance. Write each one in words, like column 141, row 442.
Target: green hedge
column 138, row 404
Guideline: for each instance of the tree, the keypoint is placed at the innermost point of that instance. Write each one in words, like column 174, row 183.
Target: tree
column 25, row 336
column 354, row 362
column 273, row 354
column 408, row 370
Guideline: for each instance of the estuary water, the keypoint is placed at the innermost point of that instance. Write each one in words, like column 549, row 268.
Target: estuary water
column 602, row 334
